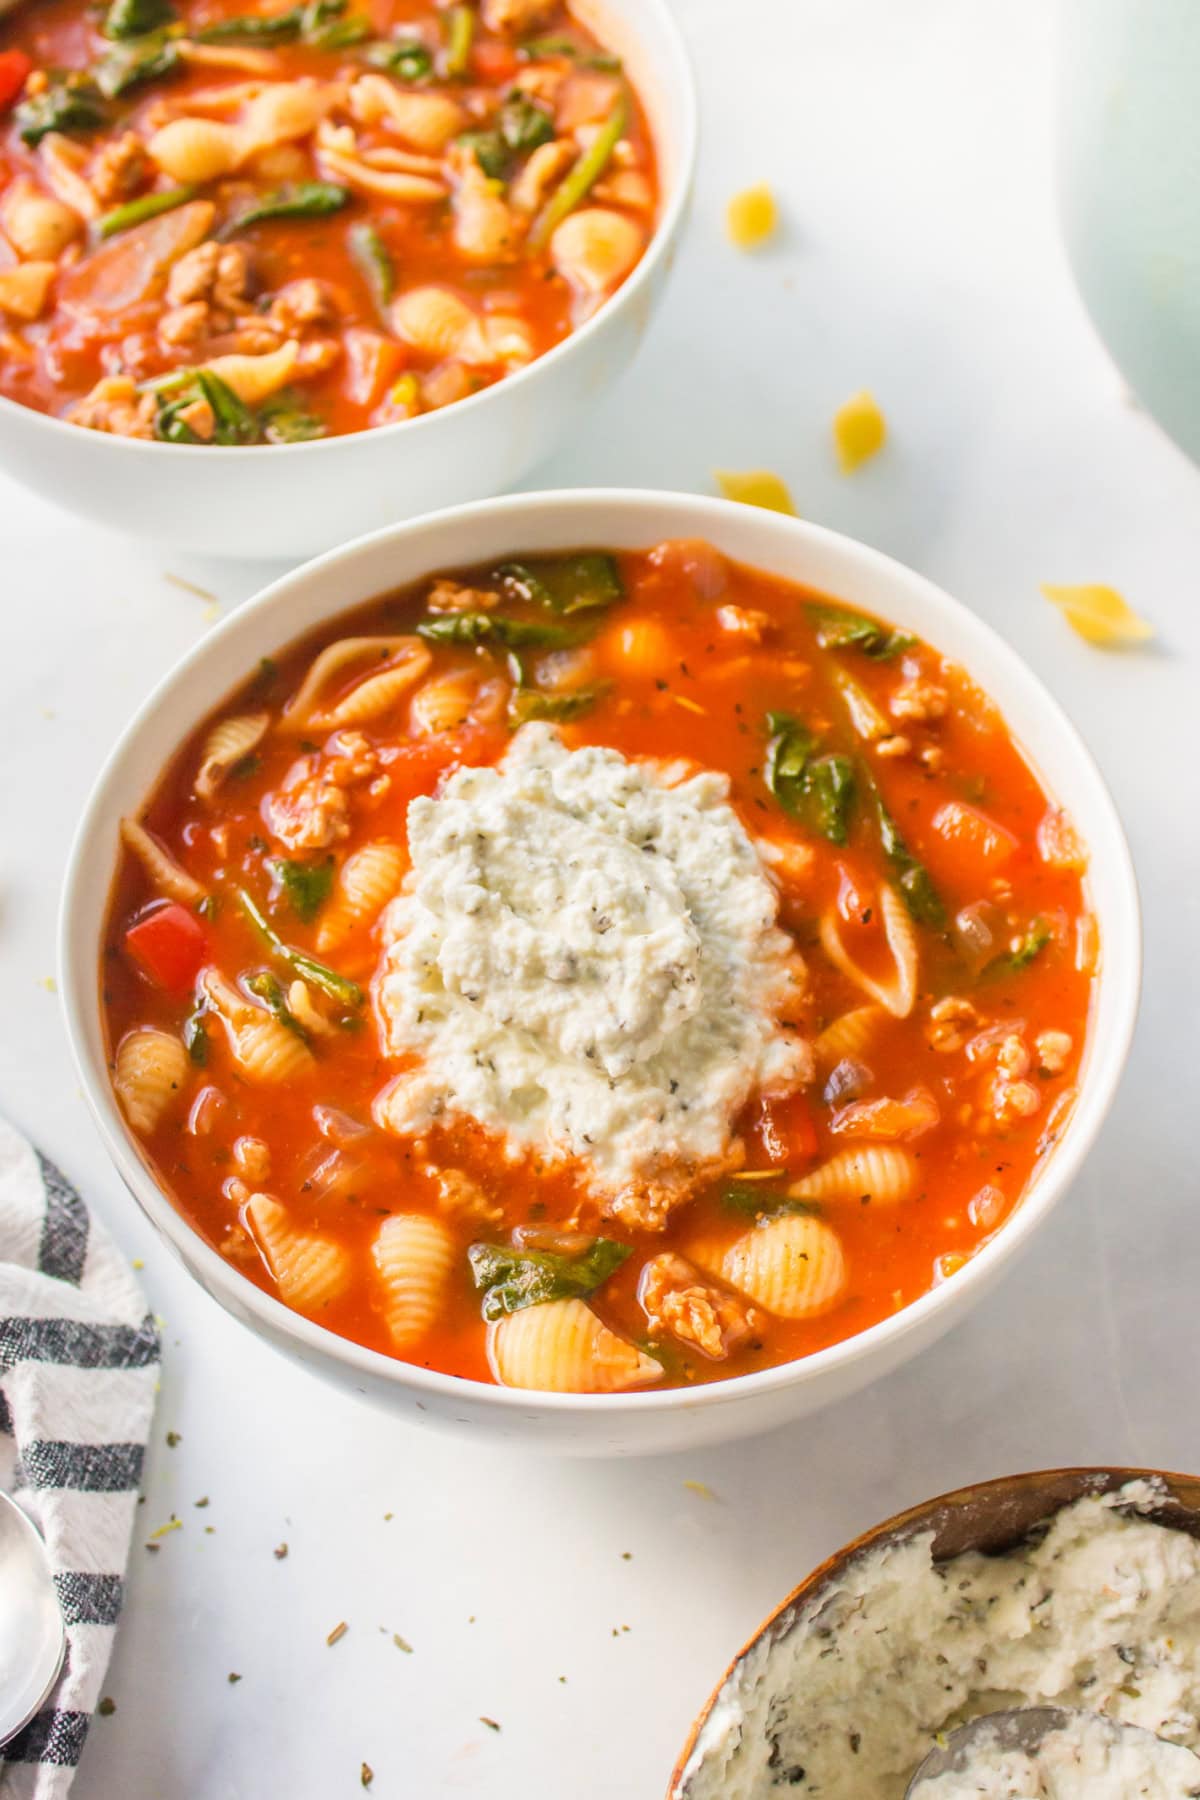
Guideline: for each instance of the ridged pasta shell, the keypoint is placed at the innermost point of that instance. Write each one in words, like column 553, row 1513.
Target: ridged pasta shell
column 386, row 184
column 414, row 1255
column 284, row 111
column 151, row 1068
column 900, row 993
column 595, row 248
column 881, row 1175
column 407, row 653
column 376, row 695
column 848, row 1035
column 169, row 877
column 437, row 322
column 263, row 1048
column 427, row 120
column 366, row 881
column 442, row 704
column 255, row 378
column 309, row 1271
column 793, row 1266
column 225, row 745
column 563, row 1348
column 195, row 150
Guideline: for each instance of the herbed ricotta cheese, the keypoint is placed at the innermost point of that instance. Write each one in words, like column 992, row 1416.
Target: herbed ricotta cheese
column 1102, row 1613
column 585, row 960
column 1088, row 1758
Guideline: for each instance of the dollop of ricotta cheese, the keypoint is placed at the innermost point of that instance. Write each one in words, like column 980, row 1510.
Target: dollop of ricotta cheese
column 1087, row 1758
column 585, row 960
column 1101, row 1613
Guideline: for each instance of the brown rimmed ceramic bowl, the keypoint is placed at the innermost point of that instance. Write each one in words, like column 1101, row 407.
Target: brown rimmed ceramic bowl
column 989, row 1516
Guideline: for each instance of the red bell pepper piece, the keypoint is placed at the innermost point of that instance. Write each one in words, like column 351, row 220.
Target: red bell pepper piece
column 494, row 62
column 14, row 69
column 170, row 945
column 787, row 1129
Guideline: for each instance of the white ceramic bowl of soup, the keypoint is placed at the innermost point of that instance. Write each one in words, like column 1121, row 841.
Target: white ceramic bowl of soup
column 670, row 1419
column 293, row 500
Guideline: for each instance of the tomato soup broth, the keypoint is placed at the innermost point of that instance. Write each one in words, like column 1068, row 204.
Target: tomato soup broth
column 340, row 214
column 930, row 890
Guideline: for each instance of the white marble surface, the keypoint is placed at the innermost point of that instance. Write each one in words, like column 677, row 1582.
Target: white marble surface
column 910, row 146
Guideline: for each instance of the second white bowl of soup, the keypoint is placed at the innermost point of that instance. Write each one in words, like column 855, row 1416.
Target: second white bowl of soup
column 281, row 286
column 580, row 965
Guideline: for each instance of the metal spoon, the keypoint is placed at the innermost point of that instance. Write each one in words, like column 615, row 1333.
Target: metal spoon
column 32, row 1639
column 1021, row 1728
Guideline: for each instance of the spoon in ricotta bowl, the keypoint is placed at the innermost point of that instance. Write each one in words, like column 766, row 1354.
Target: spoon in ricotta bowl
column 1054, row 1753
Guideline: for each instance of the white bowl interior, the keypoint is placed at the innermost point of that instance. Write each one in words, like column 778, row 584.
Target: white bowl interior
column 629, row 520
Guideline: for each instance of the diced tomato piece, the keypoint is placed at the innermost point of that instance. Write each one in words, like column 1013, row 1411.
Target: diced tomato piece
column 170, row 945
column 494, row 62
column 787, row 1130
column 986, row 846
column 14, row 69
column 372, row 365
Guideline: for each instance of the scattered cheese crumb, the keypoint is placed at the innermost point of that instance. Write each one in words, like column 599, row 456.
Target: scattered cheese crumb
column 49, row 983
column 339, row 1631
column 859, row 431
column 700, row 1487
column 752, row 217
column 190, row 587
column 756, row 487
column 402, row 1643
column 171, row 1525
column 1099, row 614
column 212, row 612
column 137, row 1263
column 490, row 1723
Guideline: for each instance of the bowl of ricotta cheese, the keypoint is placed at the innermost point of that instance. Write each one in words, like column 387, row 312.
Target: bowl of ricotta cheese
column 1075, row 1589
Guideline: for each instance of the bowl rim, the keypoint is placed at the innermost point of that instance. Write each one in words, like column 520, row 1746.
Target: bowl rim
column 683, row 123
column 909, row 1520
column 79, row 911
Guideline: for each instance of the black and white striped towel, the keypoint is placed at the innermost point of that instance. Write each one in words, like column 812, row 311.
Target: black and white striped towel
column 79, row 1362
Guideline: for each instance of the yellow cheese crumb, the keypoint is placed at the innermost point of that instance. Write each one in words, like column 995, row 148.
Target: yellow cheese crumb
column 859, row 431
column 1099, row 614
column 752, row 217
column 49, row 983
column 700, row 1487
column 755, row 487
column 212, row 612
column 171, row 1525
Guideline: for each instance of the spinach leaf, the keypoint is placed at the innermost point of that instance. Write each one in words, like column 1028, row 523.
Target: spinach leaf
column 305, row 886
column 523, row 125
column 910, row 876
column 511, row 1279
column 136, row 212
column 195, row 1037
column 134, row 18
column 284, row 419
column 72, row 103
column 564, row 584
column 534, row 49
column 1030, row 947
column 374, row 260
column 336, row 34
column 527, row 703
column 254, row 28
column 491, row 152
column 233, row 422
column 264, row 987
column 817, row 789
column 130, row 64
column 405, row 58
column 295, row 200
column 838, row 629
column 486, row 628
column 748, row 1199
column 327, row 981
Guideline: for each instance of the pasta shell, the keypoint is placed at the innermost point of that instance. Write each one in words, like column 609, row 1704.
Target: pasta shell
column 282, row 112
column 563, row 1348
column 442, row 704
column 151, row 1068
column 386, row 184
column 263, row 1048
column 37, row 226
column 309, row 1271
column 168, row 876
column 396, row 652
column 595, row 248
column 414, row 1255
column 900, row 992
column 366, row 882
column 256, row 378
column 191, row 150
column 303, row 1007
column 427, row 120
column 225, row 745
column 376, row 695
column 61, row 162
column 244, row 57
column 881, row 1175
column 848, row 1035
column 438, row 323
column 793, row 1266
